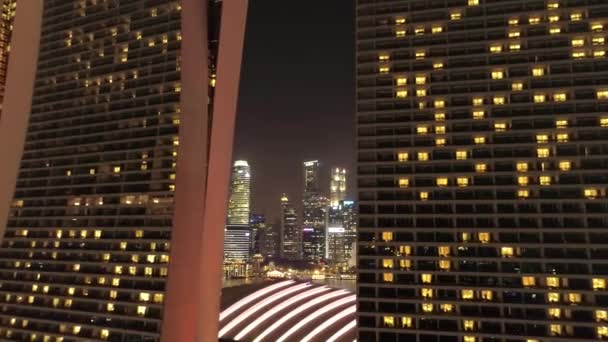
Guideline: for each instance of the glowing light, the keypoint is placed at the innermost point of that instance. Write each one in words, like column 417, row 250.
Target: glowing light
column 316, row 315
column 241, row 303
column 328, row 323
column 350, row 326
column 295, row 312
column 267, row 315
column 258, row 306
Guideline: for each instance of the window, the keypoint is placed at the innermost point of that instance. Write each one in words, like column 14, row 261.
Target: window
column 473, row 2
column 446, row 307
column 400, row 33
column 420, row 79
column 559, row 97
column 439, row 141
column 445, row 264
column 387, row 236
column 384, row 57
column 533, row 20
column 562, row 137
column 404, row 182
column 528, row 281
column 401, row 94
column 462, row 181
column 422, row 129
column 604, row 122
column 477, row 101
column 578, row 42
column 516, row 86
column 387, row 277
column 499, row 100
column 436, row 29
column 478, row 114
column 426, row 293
column 576, row 16
column 514, row 34
column 553, row 18
column 538, row 71
column 498, row 74
column 467, row 294
column 481, row 167
column 514, row 46
column 552, row 282
column 427, row 307
column 405, row 250
column 439, row 103
column 597, row 27
column 465, row 237
column 487, row 295
column 438, row 65
column 602, row 332
column 555, row 329
column 468, row 325
column 440, row 129
column 442, row 181
column 104, row 334
column 539, row 98
column 455, row 16
column 553, row 297
column 599, row 53
column 598, row 40
column 420, row 54
column 555, row 30
column 561, row 123
column 601, row 315
column 423, row 156
column 565, row 165
column 598, row 284
column 439, row 116
column 389, row 321
column 424, row 195
column 401, row 81
column 419, row 30
column 406, row 322
column 443, row 251
column 591, row 193
column 542, row 152
column 574, row 297
column 402, row 156
column 554, row 312
column 384, row 69
column 399, row 21
column 480, row 140
column 144, row 297
column 578, row 54
column 461, row 155
column 553, row 5
column 506, row 252
column 542, row 138
column 484, row 237
column 545, row 180
column 514, row 21
column 420, row 92
column 387, row 263
column 602, row 94
column 496, row 48
column 405, row 264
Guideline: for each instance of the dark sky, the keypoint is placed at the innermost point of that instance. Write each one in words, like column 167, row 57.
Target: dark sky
column 297, row 95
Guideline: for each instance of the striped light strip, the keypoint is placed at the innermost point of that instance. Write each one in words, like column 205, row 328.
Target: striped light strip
column 315, row 315
column 253, row 297
column 350, row 326
column 277, row 309
column 328, row 323
column 258, row 306
column 295, row 312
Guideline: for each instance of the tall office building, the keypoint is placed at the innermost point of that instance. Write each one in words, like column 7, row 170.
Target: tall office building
column 291, row 235
column 337, row 186
column 482, row 131
column 311, row 176
column 239, row 203
column 115, row 224
column 341, row 232
column 257, row 222
column 314, row 214
column 237, row 243
column 7, row 18
column 270, row 240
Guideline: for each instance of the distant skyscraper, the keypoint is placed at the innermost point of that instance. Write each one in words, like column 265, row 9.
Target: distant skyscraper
column 341, row 232
column 237, row 243
column 115, row 227
column 258, row 225
column 337, row 186
column 291, row 235
column 311, row 176
column 482, row 170
column 239, row 203
column 7, row 17
column 314, row 214
column 270, row 240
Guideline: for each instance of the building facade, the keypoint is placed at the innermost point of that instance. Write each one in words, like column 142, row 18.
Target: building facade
column 239, row 203
column 314, row 214
column 7, row 18
column 258, row 225
column 122, row 94
column 291, row 235
column 270, row 240
column 481, row 134
column 341, row 233
column 237, row 243
column 337, row 191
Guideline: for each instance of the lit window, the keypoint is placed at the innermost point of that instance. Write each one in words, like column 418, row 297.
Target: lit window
column 601, row 315
column 387, row 263
column 578, row 54
column 420, row 79
column 545, row 180
column 473, row 2
column 576, row 16
column 528, row 281
column 405, row 250
column 591, row 193
column 522, row 180
column 604, row 122
column 555, row 329
column 481, row 167
column 514, row 34
column 467, row 294
column 438, row 65
column 597, row 27
column 443, row 251
column 599, row 53
column 423, row 156
column 420, row 92
column 461, row 155
column 424, row 195
column 478, row 114
column 480, row 140
column 389, row 321
column 427, row 307
column 116, row 169
column 455, row 16
column 141, row 310
column 484, row 237
column 439, row 116
column 399, row 21
column 144, row 297
column 487, row 295
column 538, row 71
column 439, row 141
column 446, row 307
column 406, row 322
column 403, row 156
column 499, row 100
column 465, row 237
column 426, row 293
column 578, row 42
column 76, row 329
column 440, row 129
column 513, row 21
column 387, row 277
column 462, row 181
column 554, row 312
column 565, row 165
column 559, row 97
column 400, row 33
column 387, row 236
column 439, row 103
column 553, row 18
column 444, row 264
column 542, row 152
column 534, row 20
column 110, row 307
column 598, row 284
column 598, row 40
column 514, row 46
column 602, row 332
column 401, row 81
column 419, row 30
column 404, row 182
column 515, row 86
column 506, row 252
column 477, row 101
column 552, row 282
column 420, row 54
column 442, row 181
column 496, row 48
column 437, row 29
column 553, row 297
column 497, row 74
column 553, row 5
column 401, row 94
column 384, row 69
column 555, row 30
column 468, row 325
column 562, row 137
column 104, row 334
column 384, row 58
column 602, row 94
column 539, row 98
column 542, row 138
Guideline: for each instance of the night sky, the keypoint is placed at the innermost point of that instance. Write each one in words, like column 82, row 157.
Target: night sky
column 297, row 96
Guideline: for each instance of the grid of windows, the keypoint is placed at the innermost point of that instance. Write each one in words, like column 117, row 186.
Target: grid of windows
column 482, row 187
column 86, row 251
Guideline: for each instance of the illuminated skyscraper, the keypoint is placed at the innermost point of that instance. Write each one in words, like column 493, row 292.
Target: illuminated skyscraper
column 314, row 214
column 341, row 232
column 337, row 186
column 291, row 235
column 482, row 135
column 7, row 17
column 239, row 204
column 107, row 124
column 311, row 176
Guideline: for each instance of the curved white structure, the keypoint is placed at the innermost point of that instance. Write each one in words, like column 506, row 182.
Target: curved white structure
column 328, row 323
column 345, row 329
column 252, row 297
